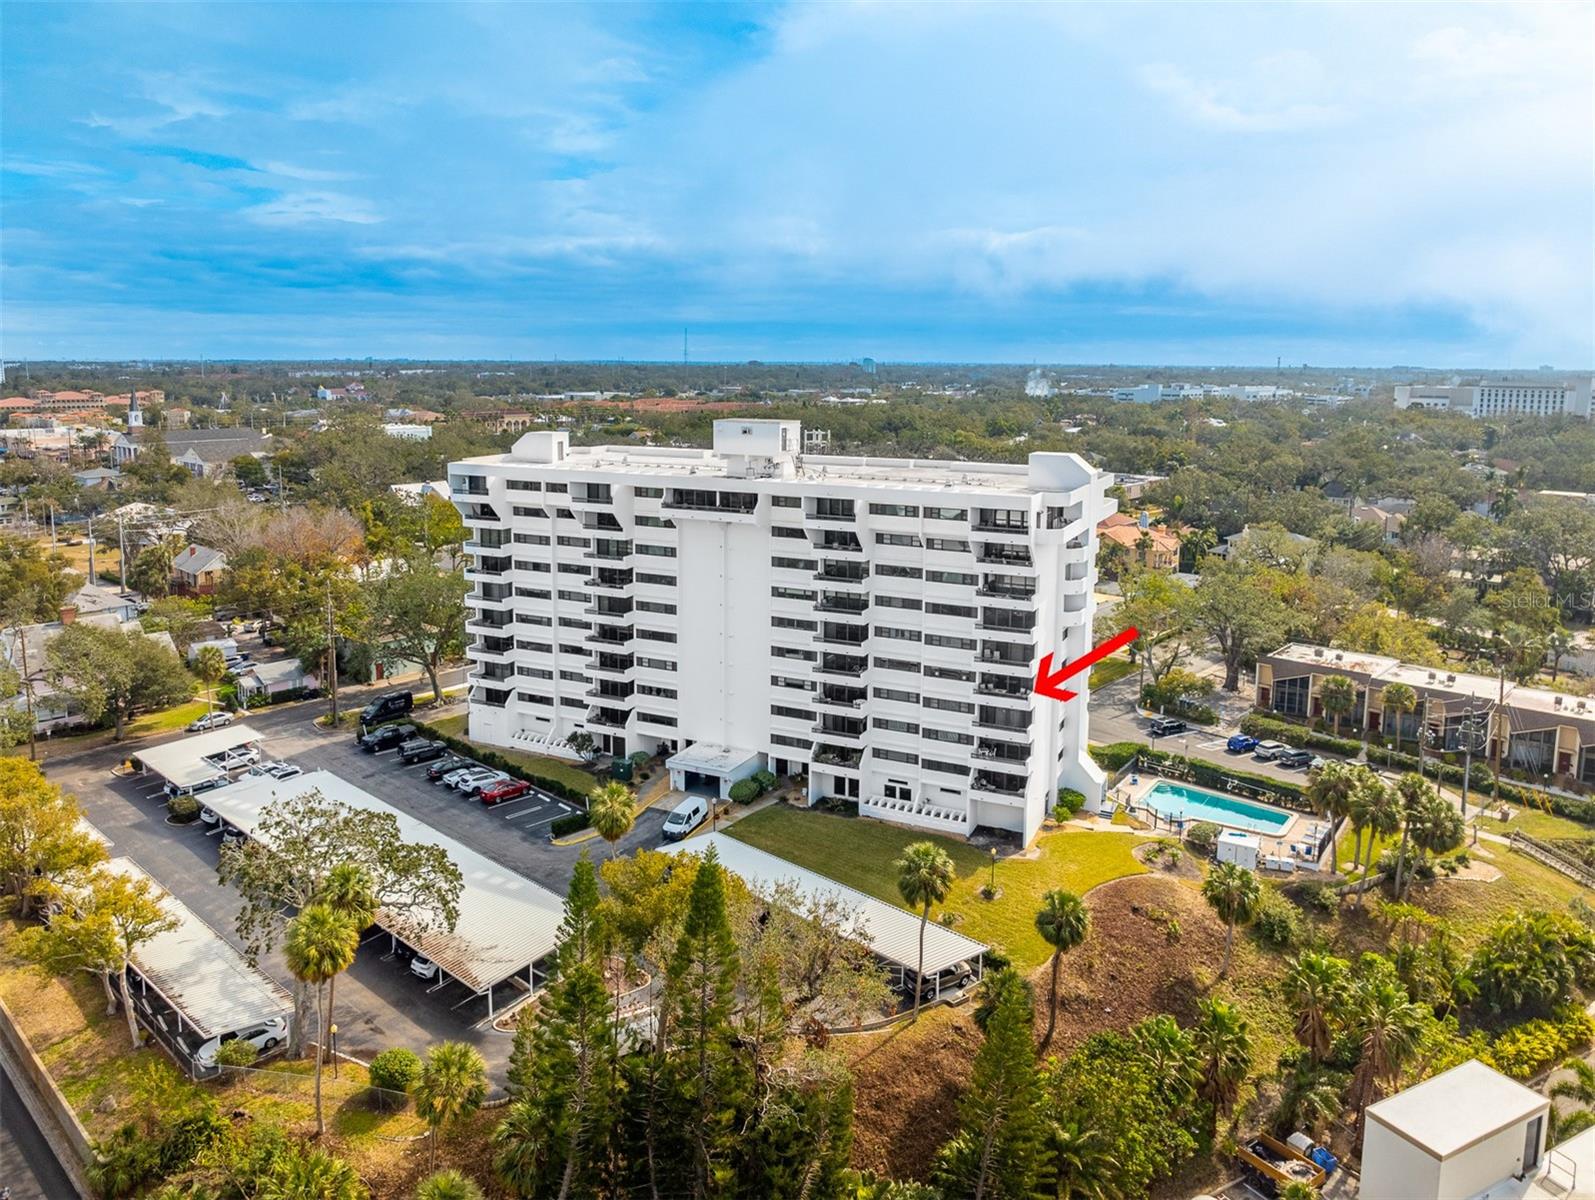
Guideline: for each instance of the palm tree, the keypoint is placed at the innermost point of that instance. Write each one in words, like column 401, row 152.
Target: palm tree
column 447, row 1184
column 1384, row 817
column 1559, row 644
column 1170, row 1058
column 1315, row 987
column 1400, row 699
column 1295, row 1189
column 453, row 1084
column 347, row 889
column 1412, row 791
column 1062, row 923
column 321, row 943
column 1223, row 1047
column 210, row 665
column 612, row 810
column 1436, row 827
column 1339, row 695
column 1388, row 1025
column 1309, row 1098
column 1083, row 1168
column 1330, row 791
column 1197, row 542
column 925, row 875
column 1580, row 1088
column 1235, row 895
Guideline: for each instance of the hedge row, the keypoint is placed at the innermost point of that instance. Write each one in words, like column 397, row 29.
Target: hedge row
column 1272, row 729
column 1481, row 782
column 491, row 758
column 571, row 823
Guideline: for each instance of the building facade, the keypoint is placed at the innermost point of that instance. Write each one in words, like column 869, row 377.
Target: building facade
column 1535, row 399
column 871, row 624
column 1539, row 731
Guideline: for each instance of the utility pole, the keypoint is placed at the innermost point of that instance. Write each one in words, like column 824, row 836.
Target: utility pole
column 121, row 555
column 332, row 659
column 1500, row 707
column 92, row 581
column 51, row 503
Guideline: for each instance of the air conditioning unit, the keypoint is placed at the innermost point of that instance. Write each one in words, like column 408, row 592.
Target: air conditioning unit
column 1431, row 676
column 1319, row 652
column 1557, row 703
column 1450, row 678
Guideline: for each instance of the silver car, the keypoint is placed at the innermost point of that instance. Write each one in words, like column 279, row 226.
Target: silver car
column 474, row 781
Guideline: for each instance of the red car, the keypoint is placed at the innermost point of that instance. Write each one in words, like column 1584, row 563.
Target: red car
column 505, row 789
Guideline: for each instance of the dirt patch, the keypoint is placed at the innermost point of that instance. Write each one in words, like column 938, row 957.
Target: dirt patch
column 1151, row 936
column 1168, row 858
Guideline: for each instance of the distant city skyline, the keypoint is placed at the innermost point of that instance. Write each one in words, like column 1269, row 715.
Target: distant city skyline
column 1353, row 185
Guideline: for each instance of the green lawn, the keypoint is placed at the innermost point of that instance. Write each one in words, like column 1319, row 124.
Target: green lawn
column 1532, row 822
column 860, row 853
column 550, row 768
column 1110, row 670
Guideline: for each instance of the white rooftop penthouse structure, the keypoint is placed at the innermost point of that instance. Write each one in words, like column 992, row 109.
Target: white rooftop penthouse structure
column 1467, row 1134
column 873, row 624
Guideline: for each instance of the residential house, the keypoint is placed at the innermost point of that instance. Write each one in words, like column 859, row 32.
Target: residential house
column 98, row 479
column 197, row 570
column 266, row 680
column 1156, row 547
column 205, row 452
column 1389, row 523
column 24, row 650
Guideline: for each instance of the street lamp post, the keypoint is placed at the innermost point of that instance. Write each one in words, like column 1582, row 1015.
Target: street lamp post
column 332, row 1037
column 992, row 887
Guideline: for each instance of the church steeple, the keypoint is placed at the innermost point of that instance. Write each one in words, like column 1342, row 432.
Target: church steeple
column 135, row 419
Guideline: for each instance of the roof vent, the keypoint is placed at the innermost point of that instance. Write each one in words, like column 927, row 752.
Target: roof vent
column 1450, row 678
column 1319, row 652
column 1557, row 703
column 1432, row 677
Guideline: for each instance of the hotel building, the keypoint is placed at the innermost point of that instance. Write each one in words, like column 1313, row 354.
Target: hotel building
column 873, row 624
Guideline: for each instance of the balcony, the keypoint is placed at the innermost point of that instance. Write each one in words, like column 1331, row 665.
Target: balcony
column 836, row 513
column 992, row 590
column 829, row 603
column 843, row 575
column 611, row 666
column 837, row 756
column 606, row 718
column 609, row 580
column 486, row 541
column 993, row 721
column 830, row 543
column 1009, row 786
column 990, row 751
column 852, row 638
column 484, row 623
column 608, row 550
column 997, row 555
column 994, row 661
column 491, row 593
column 693, row 500
column 489, row 697
column 609, row 613
column 988, row 520
column 850, row 699
column 619, row 636
column 489, row 566
column 496, row 672
column 492, row 645
column 1003, row 687
column 483, row 513
column 840, row 733
column 998, row 620
column 466, row 487
column 591, row 493
column 841, row 666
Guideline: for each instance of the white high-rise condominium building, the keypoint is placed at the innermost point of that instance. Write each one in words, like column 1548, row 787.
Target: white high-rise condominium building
column 873, row 624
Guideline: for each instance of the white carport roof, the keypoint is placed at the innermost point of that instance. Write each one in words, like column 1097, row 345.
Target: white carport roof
column 889, row 931
column 507, row 922
column 201, row 974
column 182, row 762
column 706, row 758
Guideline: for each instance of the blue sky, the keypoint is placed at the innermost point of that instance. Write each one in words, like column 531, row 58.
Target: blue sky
column 1353, row 184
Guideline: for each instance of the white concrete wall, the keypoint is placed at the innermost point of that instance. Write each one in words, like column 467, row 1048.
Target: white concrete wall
column 1486, row 1163
column 1394, row 1169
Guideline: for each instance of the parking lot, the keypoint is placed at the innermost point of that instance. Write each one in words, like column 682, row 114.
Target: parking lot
column 379, row 1003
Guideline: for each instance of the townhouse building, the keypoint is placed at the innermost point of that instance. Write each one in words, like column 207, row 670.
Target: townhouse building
column 870, row 624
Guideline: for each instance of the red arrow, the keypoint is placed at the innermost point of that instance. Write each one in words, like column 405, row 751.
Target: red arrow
column 1047, row 680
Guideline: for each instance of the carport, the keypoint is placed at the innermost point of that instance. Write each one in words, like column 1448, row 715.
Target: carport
column 507, row 923
column 190, row 985
column 710, row 770
column 891, row 933
column 182, row 763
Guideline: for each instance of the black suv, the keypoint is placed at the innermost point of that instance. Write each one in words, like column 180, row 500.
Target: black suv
column 1164, row 726
column 1295, row 758
column 442, row 767
column 385, row 737
column 386, row 706
column 420, row 750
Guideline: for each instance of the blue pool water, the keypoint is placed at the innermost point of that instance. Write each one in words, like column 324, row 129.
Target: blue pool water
column 1177, row 800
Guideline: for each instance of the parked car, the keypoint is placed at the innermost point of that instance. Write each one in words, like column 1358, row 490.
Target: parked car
column 685, row 817
column 240, row 664
column 505, row 789
column 1295, row 758
column 420, row 750
column 460, row 772
column 423, row 968
column 193, row 789
column 1268, row 751
column 385, row 737
column 1164, row 726
column 236, row 758
column 472, row 782
column 209, row 815
column 215, row 720
column 447, row 766
column 276, row 770
column 1240, row 743
column 265, row 1036
column 387, row 706
column 232, row 836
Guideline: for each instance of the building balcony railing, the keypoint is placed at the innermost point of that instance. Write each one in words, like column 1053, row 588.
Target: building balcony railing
column 494, row 672
column 480, row 514
column 489, row 697
column 611, row 552
column 853, row 737
column 608, row 614
column 489, row 566
column 611, row 665
column 838, row 639
column 841, row 668
column 855, row 605
column 992, row 689
column 611, row 635
column 606, row 719
column 580, row 497
column 1000, row 592
column 1001, row 626
column 995, row 554
column 837, row 756
column 479, row 625
column 469, row 488
column 493, row 645
column 996, row 662
column 980, row 525
column 618, row 694
column 826, row 698
column 839, row 518
column 610, row 581
column 1002, row 728
column 490, row 595
column 842, row 575
column 849, row 546
column 1000, row 752
column 999, row 785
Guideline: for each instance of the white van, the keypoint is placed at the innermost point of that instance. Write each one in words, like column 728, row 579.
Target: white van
column 685, row 817
column 266, row 1035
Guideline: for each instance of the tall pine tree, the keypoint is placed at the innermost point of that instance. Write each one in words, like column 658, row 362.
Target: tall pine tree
column 556, row 1140
column 710, row 1079
column 999, row 1152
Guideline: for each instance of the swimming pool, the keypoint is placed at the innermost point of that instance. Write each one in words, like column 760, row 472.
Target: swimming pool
column 1179, row 801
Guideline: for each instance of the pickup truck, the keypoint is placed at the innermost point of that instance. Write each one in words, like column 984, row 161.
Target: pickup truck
column 1270, row 1164
column 385, row 737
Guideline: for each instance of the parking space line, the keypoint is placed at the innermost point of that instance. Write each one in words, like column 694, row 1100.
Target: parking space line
column 527, row 812
column 545, row 821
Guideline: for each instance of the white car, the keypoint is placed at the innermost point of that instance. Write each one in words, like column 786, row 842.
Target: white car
column 474, row 781
column 1268, row 751
column 236, row 758
column 209, row 815
column 277, row 770
column 215, row 720
column 454, row 777
column 266, row 1036
column 423, row 968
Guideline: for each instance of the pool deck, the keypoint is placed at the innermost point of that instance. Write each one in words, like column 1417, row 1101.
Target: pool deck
column 1290, row 842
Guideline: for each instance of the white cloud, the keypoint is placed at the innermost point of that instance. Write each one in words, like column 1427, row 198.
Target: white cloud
column 307, row 208
column 308, row 174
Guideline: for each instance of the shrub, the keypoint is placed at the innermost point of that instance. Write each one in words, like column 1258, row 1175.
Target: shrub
column 1203, row 837
column 1274, row 730
column 1115, row 755
column 571, row 823
column 1278, row 924
column 123, row 1163
column 1070, row 800
column 744, row 790
column 1319, row 897
column 183, row 809
column 190, row 1136
column 236, row 1052
column 765, row 780
column 395, row 1069
column 1525, row 1050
